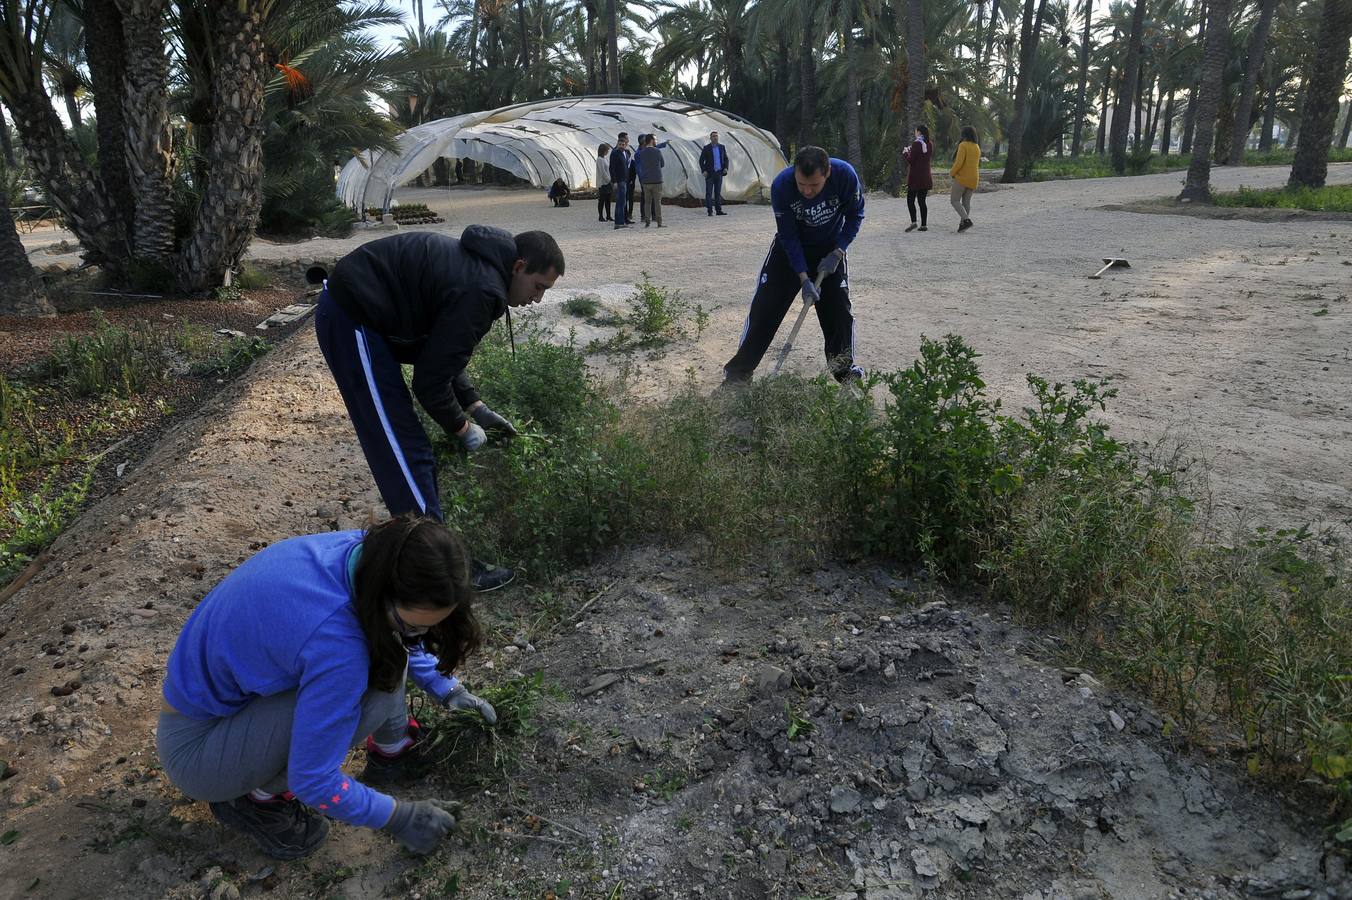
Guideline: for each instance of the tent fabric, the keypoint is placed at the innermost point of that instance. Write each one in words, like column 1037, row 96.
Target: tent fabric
column 550, row 139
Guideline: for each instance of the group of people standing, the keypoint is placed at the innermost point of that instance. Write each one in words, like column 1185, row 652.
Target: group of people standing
column 625, row 174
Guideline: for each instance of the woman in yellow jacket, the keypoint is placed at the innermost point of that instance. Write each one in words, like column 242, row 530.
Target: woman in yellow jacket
column 965, row 174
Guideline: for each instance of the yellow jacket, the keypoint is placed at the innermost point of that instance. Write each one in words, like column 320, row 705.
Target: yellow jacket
column 965, row 164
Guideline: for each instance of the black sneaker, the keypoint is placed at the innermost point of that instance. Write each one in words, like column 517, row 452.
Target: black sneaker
column 966, row 223
column 410, row 765
column 282, row 828
column 911, row 227
column 720, row 213
column 489, row 578
column 924, row 228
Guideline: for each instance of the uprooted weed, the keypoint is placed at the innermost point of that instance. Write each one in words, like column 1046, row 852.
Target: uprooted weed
column 469, row 749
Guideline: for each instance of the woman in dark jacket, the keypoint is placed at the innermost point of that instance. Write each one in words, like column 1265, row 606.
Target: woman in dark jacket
column 919, row 181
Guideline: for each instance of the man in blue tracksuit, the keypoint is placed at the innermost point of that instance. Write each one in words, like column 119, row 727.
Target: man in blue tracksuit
column 819, row 206
column 424, row 299
column 713, row 162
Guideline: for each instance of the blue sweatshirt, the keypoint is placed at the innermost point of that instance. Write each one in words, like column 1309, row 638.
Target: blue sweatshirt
column 828, row 221
column 284, row 621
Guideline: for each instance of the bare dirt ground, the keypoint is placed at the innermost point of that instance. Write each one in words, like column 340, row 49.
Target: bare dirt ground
column 940, row 754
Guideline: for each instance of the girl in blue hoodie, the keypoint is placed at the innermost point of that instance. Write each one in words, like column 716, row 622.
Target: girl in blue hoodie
column 300, row 654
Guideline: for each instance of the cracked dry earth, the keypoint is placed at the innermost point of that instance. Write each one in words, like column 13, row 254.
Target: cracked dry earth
column 835, row 733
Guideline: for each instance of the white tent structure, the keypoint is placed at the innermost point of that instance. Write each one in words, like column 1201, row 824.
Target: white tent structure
column 550, row 139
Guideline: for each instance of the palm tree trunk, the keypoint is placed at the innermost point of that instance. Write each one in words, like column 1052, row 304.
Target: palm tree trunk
column 72, row 107
column 21, row 291
column 590, row 7
column 985, row 61
column 1347, row 126
column 1081, row 94
column 853, row 132
column 782, row 91
column 1101, row 139
column 105, row 51
column 1027, row 49
column 1190, row 113
column 917, row 76
column 232, row 198
column 1117, row 145
column 1167, row 132
column 5, row 143
column 73, row 189
column 1269, row 108
column 807, row 67
column 1311, row 165
column 613, row 47
column 474, row 39
column 1244, row 111
column 1141, row 112
column 149, row 149
column 522, row 35
column 1198, row 186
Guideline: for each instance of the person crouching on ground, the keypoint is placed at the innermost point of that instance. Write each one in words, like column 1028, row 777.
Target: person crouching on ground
column 819, row 207
column 919, row 178
column 425, row 299
column 558, row 192
column 300, row 654
column 966, row 175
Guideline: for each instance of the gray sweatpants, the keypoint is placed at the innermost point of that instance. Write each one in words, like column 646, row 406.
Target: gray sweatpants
column 221, row 759
column 962, row 201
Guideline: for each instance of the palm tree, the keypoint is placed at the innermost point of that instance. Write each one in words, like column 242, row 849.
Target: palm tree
column 1310, row 167
column 613, row 46
column 1198, row 185
column 1252, row 62
column 53, row 155
column 915, row 65
column 1027, row 48
column 1117, row 143
column 148, row 143
column 106, row 55
column 1080, row 96
column 64, row 54
column 21, row 292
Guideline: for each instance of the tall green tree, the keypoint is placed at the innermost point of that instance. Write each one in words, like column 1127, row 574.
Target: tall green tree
column 1253, row 61
column 1197, row 188
column 1117, row 141
column 1311, row 164
column 1028, row 37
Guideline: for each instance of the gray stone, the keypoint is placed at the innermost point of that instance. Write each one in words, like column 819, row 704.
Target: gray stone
column 772, row 678
column 1117, row 721
column 924, row 865
column 844, row 799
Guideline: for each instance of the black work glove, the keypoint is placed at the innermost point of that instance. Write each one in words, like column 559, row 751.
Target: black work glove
column 491, row 421
column 421, row 824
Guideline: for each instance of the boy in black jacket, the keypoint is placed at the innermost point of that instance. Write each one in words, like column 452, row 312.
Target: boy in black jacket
column 426, row 299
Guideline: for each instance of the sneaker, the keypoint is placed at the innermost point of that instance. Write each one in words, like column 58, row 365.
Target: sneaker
column 489, row 578
column 711, row 212
column 647, row 224
column 282, row 828
column 911, row 227
column 720, row 213
column 413, row 763
column 924, row 228
column 966, row 223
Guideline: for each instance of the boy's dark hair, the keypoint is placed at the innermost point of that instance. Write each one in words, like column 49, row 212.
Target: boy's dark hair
column 811, row 161
column 969, row 134
column 417, row 563
column 603, row 150
column 540, row 251
column 624, row 136
column 924, row 132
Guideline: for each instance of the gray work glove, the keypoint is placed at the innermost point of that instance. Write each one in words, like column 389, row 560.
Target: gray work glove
column 461, row 698
column 829, row 264
column 421, row 824
column 491, row 421
column 810, row 293
column 473, row 438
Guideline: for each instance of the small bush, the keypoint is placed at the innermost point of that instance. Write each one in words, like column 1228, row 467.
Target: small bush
column 111, row 360
column 655, row 316
column 584, row 306
column 237, row 353
column 34, row 521
column 252, row 278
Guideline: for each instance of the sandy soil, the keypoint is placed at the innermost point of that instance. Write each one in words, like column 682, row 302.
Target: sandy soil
column 950, row 759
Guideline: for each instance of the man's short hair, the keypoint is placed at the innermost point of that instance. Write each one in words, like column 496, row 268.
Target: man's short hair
column 540, row 251
column 624, row 136
column 811, row 161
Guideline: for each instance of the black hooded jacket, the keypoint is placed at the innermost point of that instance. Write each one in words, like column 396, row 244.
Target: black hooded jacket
column 432, row 298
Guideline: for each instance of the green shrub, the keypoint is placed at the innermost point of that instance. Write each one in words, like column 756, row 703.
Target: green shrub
column 235, row 354
column 252, row 278
column 1331, row 198
column 584, row 306
column 655, row 316
column 111, row 360
column 34, row 521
